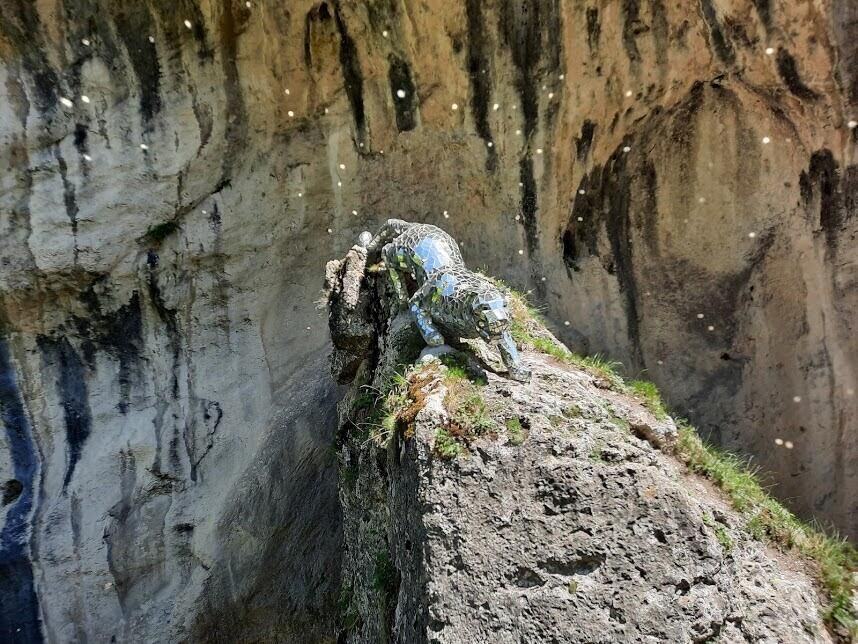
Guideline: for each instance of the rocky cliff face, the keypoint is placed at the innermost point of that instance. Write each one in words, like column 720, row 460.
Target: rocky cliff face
column 174, row 173
column 539, row 512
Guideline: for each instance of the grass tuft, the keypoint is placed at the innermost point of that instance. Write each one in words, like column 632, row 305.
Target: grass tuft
column 528, row 328
column 648, row 392
column 767, row 519
column 159, row 232
column 836, row 559
column 515, row 431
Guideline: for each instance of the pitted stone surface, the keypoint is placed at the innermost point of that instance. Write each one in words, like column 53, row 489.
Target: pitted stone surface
column 580, row 527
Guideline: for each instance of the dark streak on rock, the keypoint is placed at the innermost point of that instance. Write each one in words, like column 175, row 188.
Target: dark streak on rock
column 788, row 71
column 20, row 25
column 532, row 32
column 764, row 10
column 480, row 77
column 836, row 196
column 594, row 28
column 660, row 32
column 585, row 141
column 81, row 134
column 119, row 513
column 19, row 604
column 631, row 28
column 528, row 207
column 17, row 210
column 61, row 356
column 69, row 199
column 605, row 202
column 320, row 14
column 211, row 414
column 352, row 75
column 236, row 116
column 168, row 317
column 134, row 24
column 722, row 47
column 844, row 18
column 399, row 76
column 118, row 332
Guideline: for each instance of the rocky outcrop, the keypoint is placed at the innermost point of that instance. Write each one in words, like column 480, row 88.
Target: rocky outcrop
column 561, row 522
column 175, row 173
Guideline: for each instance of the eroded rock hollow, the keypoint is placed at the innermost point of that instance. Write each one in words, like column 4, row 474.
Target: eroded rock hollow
column 674, row 180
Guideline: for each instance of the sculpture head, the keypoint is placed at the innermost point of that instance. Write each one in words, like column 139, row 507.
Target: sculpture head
column 491, row 313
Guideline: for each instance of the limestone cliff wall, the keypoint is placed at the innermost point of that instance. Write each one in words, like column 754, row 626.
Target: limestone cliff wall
column 175, row 173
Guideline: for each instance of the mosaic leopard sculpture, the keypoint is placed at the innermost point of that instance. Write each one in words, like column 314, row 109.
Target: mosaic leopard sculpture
column 449, row 298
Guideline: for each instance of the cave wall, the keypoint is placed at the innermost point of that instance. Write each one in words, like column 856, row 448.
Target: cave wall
column 167, row 413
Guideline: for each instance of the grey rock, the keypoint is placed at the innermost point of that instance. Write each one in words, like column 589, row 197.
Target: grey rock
column 587, row 531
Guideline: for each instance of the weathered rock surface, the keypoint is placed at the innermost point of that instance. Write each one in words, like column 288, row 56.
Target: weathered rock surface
column 166, row 413
column 575, row 530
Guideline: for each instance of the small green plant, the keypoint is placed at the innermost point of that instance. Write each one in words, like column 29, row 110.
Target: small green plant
column 446, row 446
column 385, row 407
column 515, row 431
column 768, row 520
column 648, row 392
column 528, row 328
column 572, row 411
column 347, row 615
column 459, row 369
column 159, row 232
column 596, row 453
column 468, row 410
column 720, row 530
column 620, row 422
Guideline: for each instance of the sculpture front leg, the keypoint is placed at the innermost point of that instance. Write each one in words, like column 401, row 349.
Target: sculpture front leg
column 512, row 360
column 431, row 335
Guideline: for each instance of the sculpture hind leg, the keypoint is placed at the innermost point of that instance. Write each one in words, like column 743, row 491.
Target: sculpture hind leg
column 511, row 358
column 431, row 335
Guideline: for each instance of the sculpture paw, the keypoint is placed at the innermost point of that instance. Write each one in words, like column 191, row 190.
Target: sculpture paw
column 435, row 340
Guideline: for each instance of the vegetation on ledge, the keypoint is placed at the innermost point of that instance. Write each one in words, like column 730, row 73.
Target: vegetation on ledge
column 835, row 560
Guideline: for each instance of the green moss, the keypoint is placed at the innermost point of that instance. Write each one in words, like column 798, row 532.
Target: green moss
column 384, row 407
column 458, row 368
column 515, row 431
column 596, row 453
column 769, row 520
column 347, row 615
column 572, row 411
column 620, row 422
column 720, row 530
column 384, row 574
column 159, row 232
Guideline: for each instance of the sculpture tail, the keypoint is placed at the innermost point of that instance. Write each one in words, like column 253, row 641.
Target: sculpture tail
column 391, row 228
